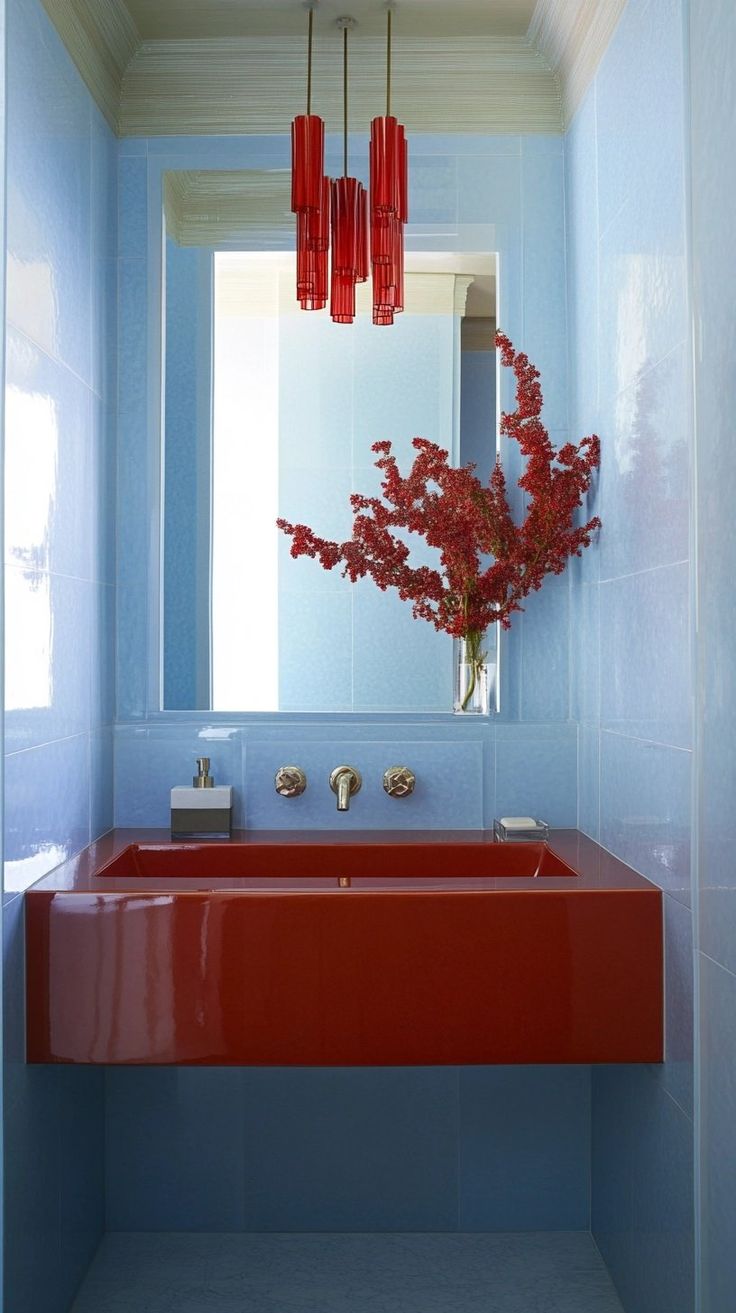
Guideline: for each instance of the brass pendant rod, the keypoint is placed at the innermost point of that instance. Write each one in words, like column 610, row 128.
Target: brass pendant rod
column 388, row 63
column 345, row 99
column 309, row 61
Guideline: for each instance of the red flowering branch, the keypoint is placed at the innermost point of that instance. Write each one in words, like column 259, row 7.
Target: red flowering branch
column 488, row 564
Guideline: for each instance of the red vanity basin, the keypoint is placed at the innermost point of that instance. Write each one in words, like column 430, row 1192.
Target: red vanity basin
column 314, row 949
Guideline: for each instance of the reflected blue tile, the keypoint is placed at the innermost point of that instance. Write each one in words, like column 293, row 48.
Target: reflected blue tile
column 645, row 655
column 315, row 650
column 315, row 394
column 49, row 449
column 589, row 781
column 717, row 1010
column 47, row 804
column 168, row 1167
column 536, row 772
column 320, row 499
column 415, row 365
column 645, row 809
column 399, row 664
column 48, row 688
column 49, row 211
column 536, row 1176
column 645, row 481
column 151, row 760
column 350, row 1149
column 449, row 791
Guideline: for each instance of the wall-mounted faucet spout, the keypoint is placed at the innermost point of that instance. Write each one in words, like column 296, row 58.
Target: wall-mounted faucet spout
column 345, row 781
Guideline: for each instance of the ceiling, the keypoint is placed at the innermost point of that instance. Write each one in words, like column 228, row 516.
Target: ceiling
column 195, row 19
column 214, row 67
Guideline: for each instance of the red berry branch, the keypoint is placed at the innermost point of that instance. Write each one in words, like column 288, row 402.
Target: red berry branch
column 468, row 522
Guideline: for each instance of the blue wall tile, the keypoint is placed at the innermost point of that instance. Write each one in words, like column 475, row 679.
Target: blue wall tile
column 348, row 1149
column 643, row 1190
column 174, row 1149
column 625, row 164
column 536, row 772
column 718, row 1110
column 535, row 1176
column 645, row 809
column 59, row 488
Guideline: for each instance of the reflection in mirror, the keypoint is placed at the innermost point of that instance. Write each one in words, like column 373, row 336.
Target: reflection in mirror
column 270, row 411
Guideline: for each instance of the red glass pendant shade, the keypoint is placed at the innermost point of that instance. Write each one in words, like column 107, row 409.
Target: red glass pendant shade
column 385, row 159
column 342, row 298
column 349, row 246
column 307, row 162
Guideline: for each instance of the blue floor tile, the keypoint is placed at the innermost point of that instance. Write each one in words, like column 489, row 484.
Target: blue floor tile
column 398, row 1273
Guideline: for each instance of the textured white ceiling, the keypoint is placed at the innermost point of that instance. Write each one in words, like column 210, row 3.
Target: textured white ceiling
column 423, row 18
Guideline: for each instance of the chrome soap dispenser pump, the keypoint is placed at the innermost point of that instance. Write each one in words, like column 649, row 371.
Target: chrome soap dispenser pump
column 203, row 811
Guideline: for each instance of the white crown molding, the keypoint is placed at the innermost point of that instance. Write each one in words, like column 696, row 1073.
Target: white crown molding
column 572, row 35
column 256, row 85
column 217, row 207
column 101, row 38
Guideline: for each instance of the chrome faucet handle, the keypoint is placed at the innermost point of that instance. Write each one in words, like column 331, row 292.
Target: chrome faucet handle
column 290, row 781
column 399, row 781
column 345, row 781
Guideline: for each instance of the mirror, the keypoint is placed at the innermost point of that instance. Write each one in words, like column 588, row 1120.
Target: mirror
column 270, row 411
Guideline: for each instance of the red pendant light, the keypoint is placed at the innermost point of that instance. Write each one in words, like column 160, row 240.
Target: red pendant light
column 388, row 158
column 310, row 198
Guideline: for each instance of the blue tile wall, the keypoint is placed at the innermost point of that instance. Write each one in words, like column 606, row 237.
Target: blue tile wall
column 630, row 381
column 59, row 610
column 348, row 1149
column 469, row 193
column 712, row 37
column 466, row 774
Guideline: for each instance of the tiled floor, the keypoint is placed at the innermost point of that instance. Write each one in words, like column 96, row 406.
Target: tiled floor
column 517, row 1273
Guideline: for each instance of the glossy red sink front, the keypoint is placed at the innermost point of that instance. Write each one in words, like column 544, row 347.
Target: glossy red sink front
column 317, row 950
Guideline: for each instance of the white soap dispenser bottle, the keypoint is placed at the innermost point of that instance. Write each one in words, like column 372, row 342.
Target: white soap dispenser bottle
column 203, row 811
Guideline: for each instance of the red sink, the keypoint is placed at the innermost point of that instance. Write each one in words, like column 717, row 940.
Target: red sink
column 320, row 865
column 336, row 950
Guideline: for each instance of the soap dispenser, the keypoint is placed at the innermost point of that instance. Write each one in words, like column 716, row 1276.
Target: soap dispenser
column 203, row 811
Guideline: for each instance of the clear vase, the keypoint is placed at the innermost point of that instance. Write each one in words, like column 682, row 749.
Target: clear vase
column 472, row 682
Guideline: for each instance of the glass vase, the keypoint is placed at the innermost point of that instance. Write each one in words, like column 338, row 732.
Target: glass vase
column 472, row 683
